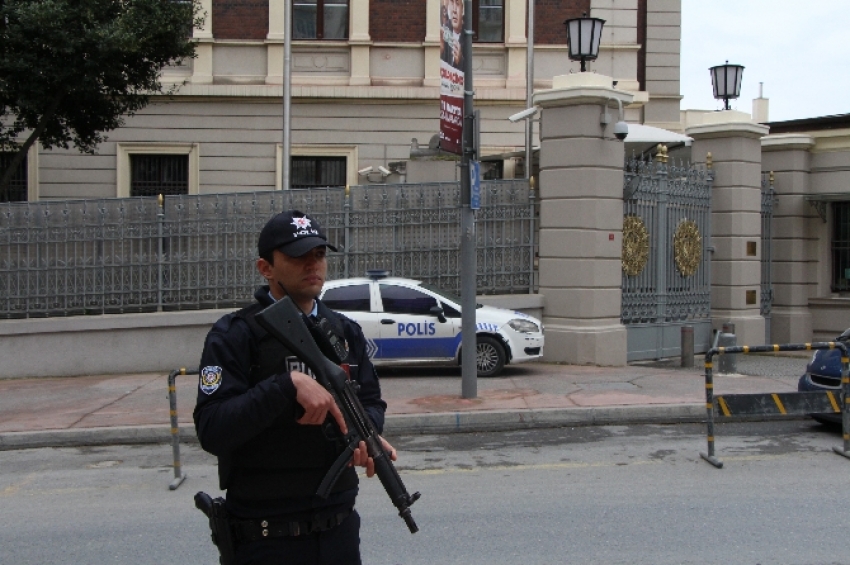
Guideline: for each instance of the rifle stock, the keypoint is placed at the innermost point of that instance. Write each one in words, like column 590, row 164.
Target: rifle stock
column 285, row 322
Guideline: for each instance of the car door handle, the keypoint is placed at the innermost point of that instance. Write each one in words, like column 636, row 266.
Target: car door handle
column 387, row 321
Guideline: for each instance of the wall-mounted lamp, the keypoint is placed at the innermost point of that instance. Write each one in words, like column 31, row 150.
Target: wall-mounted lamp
column 583, row 37
column 726, row 81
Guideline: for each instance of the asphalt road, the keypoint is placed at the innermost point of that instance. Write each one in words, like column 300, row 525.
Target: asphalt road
column 608, row 495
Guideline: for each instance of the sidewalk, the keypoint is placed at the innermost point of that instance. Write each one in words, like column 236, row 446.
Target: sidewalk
column 91, row 410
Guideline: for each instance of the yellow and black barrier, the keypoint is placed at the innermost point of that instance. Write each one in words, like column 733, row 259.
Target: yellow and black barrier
column 777, row 404
column 780, row 404
column 179, row 475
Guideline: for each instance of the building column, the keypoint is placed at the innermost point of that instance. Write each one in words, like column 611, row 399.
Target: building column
column 274, row 42
column 733, row 140
column 360, row 43
column 516, row 43
column 581, row 221
column 202, row 66
column 794, row 246
column 432, row 43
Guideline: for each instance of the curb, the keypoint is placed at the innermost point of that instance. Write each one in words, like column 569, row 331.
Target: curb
column 505, row 420
column 396, row 424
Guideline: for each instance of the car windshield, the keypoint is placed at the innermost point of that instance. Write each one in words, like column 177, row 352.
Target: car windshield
column 447, row 295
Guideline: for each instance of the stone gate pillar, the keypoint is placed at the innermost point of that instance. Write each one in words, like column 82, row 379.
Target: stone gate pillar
column 581, row 220
column 734, row 142
column 789, row 157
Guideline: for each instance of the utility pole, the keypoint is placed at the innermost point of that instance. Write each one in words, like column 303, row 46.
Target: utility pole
column 469, row 266
column 287, row 95
column 529, row 90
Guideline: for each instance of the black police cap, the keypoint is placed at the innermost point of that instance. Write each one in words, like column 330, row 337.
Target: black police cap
column 292, row 232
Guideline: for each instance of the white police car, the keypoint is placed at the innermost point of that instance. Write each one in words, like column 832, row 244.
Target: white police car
column 408, row 323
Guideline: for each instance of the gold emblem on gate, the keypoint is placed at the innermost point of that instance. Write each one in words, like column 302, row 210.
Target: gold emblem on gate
column 635, row 245
column 687, row 247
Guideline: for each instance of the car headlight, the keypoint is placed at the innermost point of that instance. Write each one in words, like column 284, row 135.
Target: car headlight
column 523, row 326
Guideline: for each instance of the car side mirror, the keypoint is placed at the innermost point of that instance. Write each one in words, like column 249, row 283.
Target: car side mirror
column 437, row 311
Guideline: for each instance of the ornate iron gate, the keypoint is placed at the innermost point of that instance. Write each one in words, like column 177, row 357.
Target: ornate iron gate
column 666, row 263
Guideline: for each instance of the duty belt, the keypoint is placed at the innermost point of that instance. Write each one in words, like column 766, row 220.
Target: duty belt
column 254, row 530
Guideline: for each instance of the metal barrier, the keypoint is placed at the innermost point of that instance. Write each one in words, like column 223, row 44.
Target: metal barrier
column 788, row 403
column 179, row 475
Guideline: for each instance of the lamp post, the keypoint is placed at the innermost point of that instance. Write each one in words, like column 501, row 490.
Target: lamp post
column 726, row 81
column 583, row 36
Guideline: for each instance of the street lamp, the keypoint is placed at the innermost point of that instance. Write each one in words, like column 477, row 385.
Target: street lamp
column 583, row 36
column 726, row 80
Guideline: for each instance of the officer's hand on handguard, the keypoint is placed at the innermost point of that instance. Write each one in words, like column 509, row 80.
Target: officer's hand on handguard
column 316, row 402
column 361, row 456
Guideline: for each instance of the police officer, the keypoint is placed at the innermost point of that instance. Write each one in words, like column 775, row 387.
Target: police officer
column 275, row 429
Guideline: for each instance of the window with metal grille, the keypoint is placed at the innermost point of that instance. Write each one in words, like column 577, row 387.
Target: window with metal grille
column 16, row 190
column 488, row 21
column 841, row 247
column 317, row 171
column 159, row 174
column 320, row 19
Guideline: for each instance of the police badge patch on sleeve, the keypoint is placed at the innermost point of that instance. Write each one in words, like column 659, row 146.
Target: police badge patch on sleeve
column 210, row 379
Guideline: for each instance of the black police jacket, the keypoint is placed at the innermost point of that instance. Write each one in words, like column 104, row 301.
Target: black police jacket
column 246, row 413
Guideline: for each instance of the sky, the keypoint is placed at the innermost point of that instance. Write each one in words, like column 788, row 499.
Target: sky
column 800, row 50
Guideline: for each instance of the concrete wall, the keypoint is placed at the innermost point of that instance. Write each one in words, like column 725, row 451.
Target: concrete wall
column 134, row 343
column 109, row 344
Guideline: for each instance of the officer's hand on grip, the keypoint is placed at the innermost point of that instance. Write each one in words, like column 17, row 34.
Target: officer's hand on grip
column 316, row 401
column 361, row 456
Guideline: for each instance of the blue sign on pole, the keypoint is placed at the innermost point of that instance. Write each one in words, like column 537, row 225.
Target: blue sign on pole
column 475, row 185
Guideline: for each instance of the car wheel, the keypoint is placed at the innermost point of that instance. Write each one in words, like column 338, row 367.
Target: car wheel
column 490, row 358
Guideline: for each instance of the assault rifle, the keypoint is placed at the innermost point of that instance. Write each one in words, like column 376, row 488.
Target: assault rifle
column 285, row 322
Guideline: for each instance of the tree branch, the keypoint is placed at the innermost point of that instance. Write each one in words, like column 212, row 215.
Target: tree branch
column 22, row 152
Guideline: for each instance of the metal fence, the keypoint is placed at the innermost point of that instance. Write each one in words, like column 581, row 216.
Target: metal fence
column 768, row 201
column 77, row 257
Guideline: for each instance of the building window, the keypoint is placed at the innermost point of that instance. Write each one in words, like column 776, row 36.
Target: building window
column 841, row 247
column 320, row 19
column 149, row 169
column 308, row 172
column 17, row 189
column 152, row 174
column 488, row 21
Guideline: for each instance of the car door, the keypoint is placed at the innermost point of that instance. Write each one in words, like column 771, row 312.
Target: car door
column 410, row 331
column 356, row 302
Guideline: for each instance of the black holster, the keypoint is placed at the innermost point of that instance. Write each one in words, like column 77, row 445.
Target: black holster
column 222, row 533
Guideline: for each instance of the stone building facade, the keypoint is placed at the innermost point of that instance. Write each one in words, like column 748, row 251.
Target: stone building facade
column 358, row 100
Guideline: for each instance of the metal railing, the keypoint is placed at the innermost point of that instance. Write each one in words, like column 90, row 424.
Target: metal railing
column 190, row 252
